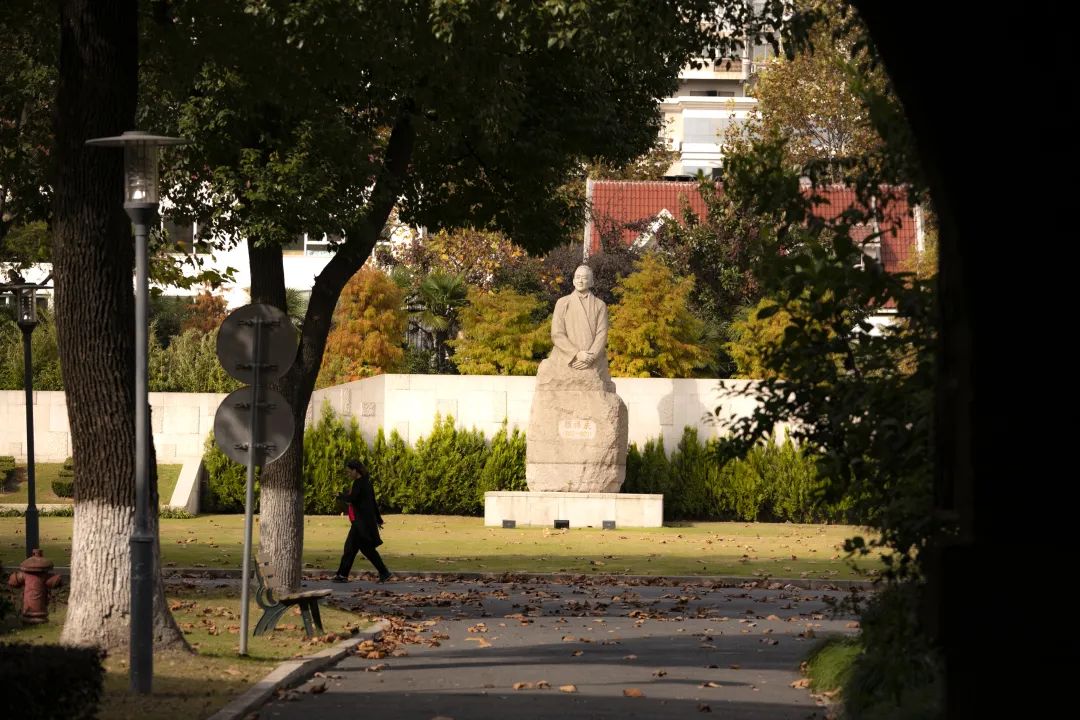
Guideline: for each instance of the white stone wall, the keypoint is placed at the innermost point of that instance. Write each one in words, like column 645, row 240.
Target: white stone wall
column 180, row 423
column 406, row 403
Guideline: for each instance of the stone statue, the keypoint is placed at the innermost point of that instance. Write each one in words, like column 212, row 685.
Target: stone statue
column 578, row 425
column 579, row 325
column 579, row 328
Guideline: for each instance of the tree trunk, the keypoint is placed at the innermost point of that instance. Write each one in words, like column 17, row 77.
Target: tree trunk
column 281, row 494
column 93, row 258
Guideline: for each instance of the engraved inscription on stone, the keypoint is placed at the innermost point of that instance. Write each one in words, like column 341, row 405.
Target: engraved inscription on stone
column 575, row 429
column 368, row 409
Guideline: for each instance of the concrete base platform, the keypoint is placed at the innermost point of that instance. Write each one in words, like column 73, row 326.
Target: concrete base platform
column 580, row 509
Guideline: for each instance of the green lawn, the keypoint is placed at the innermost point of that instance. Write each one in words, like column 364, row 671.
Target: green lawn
column 190, row 685
column 45, row 473
column 448, row 543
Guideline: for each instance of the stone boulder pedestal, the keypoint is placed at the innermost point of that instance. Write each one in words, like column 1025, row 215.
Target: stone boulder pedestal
column 578, row 427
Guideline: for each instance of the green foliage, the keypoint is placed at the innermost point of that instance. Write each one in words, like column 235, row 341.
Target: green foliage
column 28, row 244
column 435, row 303
column 172, row 513
column 44, row 355
column 29, row 54
column 702, row 481
column 775, row 482
column 7, row 469
column 648, row 469
column 75, row 681
column 504, row 468
column 226, row 481
column 446, row 471
column 753, row 338
column 64, row 482
column 652, row 165
column 899, row 673
column 392, row 471
column 653, row 333
column 478, row 256
column 694, row 478
column 502, row 333
column 167, row 315
column 829, row 665
column 815, row 99
column 189, row 364
column 327, row 446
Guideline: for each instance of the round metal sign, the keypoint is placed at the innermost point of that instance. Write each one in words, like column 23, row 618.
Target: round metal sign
column 236, row 343
column 232, row 425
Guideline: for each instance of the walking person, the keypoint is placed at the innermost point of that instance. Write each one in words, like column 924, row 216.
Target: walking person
column 365, row 523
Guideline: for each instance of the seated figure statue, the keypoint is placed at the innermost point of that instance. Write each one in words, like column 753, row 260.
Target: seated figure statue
column 579, row 330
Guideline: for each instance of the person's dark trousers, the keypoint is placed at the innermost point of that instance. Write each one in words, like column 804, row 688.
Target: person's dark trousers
column 353, row 545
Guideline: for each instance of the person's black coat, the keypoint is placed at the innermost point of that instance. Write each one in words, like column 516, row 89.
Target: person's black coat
column 368, row 518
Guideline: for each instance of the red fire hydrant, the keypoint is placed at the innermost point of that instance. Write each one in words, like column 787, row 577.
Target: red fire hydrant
column 36, row 581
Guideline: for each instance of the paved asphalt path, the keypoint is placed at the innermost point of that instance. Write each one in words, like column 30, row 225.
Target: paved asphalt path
column 456, row 649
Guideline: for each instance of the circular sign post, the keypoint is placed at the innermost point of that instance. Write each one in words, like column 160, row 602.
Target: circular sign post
column 254, row 425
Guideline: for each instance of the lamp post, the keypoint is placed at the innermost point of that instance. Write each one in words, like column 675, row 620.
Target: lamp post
column 28, row 320
column 25, row 295
column 141, row 203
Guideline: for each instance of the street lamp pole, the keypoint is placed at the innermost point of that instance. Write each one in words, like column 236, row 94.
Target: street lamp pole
column 28, row 320
column 141, row 204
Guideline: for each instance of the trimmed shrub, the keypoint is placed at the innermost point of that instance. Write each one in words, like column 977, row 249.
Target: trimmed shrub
column 649, row 471
column 391, row 471
column 226, row 481
column 43, row 682
column 7, row 470
column 505, row 465
column 693, row 475
column 327, row 446
column 64, row 483
column 447, row 470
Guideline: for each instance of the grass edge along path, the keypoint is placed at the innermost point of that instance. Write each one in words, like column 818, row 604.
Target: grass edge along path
column 463, row 544
column 196, row 685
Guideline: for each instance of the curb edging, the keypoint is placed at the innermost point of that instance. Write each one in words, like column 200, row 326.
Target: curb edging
column 291, row 673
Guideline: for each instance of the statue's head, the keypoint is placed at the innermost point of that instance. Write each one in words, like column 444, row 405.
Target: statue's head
column 583, row 278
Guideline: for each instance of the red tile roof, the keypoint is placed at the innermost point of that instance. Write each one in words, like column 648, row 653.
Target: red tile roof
column 633, row 206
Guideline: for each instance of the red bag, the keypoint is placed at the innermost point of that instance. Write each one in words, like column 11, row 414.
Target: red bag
column 352, row 513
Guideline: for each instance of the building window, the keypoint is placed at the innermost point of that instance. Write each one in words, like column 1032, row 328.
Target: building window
column 705, row 130
column 183, row 237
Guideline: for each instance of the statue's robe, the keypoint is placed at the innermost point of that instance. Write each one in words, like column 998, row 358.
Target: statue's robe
column 580, row 322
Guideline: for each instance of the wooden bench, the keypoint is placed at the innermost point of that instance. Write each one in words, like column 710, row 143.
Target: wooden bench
column 274, row 603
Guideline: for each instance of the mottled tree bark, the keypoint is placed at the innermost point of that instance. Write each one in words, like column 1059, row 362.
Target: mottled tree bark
column 281, row 502
column 93, row 258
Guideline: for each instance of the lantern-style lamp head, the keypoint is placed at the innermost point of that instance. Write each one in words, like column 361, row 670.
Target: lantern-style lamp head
column 28, row 317
column 140, row 163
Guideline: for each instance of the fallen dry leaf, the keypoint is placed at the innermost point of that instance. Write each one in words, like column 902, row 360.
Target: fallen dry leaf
column 801, row 683
column 377, row 668
column 702, row 707
column 577, row 652
column 710, row 684
column 523, row 686
column 480, row 642
column 659, row 673
column 629, row 657
column 317, row 687
column 568, row 688
column 633, row 692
